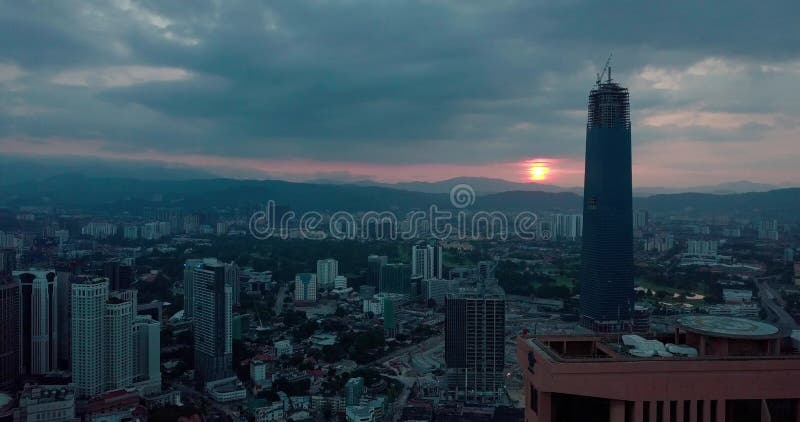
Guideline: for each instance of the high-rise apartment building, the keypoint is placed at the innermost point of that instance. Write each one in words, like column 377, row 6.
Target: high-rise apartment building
column 118, row 338
column 102, row 336
column 38, row 290
column 232, row 278
column 213, row 334
column 426, row 261
column 232, row 275
column 606, row 298
column 475, row 343
column 188, row 286
column 88, row 298
column 353, row 389
column 327, row 270
column 305, row 287
column 567, row 226
column 147, row 353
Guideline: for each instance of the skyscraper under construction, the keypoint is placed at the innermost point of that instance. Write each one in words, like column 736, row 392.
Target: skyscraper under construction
column 607, row 257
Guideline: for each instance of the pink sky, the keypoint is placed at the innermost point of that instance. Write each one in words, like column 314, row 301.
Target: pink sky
column 678, row 163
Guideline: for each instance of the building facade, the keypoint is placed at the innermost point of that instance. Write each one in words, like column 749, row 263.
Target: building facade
column 606, row 297
column 426, row 261
column 712, row 369
column 375, row 264
column 395, row 278
column 118, row 360
column 305, row 287
column 39, row 323
column 213, row 307
column 327, row 270
column 475, row 344
column 88, row 297
column 9, row 332
column 147, row 353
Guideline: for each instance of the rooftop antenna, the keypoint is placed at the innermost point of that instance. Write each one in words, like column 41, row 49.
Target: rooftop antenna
column 607, row 66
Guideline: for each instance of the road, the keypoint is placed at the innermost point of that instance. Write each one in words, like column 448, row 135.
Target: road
column 433, row 341
column 198, row 397
column 771, row 301
column 408, row 384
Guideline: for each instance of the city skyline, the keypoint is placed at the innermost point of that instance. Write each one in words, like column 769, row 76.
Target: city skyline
column 482, row 90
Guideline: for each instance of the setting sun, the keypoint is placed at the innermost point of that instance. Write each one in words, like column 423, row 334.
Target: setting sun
column 538, row 170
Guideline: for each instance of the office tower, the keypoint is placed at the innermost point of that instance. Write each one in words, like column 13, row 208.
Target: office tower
column 213, row 350
column 396, row 278
column 64, row 315
column 127, row 274
column 353, row 389
column 232, row 274
column 567, row 226
column 118, row 340
column 147, row 352
column 232, row 278
column 9, row 333
column 606, row 298
column 475, row 343
column 38, row 291
column 188, row 286
column 438, row 262
column 8, row 262
column 327, row 270
column 374, row 265
column 305, row 287
column 426, row 261
column 89, row 296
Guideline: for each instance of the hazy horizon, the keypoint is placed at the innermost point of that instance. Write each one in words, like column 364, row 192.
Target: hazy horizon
column 441, row 90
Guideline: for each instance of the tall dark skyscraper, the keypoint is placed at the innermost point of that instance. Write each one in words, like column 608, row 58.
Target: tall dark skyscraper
column 375, row 264
column 213, row 302
column 9, row 333
column 607, row 274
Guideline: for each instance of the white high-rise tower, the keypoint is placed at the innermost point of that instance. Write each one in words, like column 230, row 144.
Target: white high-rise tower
column 88, row 320
column 327, row 270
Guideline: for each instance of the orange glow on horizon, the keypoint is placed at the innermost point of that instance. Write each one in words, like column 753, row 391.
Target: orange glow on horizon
column 538, row 170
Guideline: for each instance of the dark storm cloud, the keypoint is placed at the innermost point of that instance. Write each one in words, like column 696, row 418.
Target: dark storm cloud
column 379, row 81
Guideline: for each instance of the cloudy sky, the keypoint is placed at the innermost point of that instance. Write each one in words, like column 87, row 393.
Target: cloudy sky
column 402, row 90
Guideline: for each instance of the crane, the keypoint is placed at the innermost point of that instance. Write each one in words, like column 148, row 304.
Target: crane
column 607, row 66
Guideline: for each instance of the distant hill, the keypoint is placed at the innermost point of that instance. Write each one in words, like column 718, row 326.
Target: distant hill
column 123, row 194
column 481, row 185
column 15, row 169
column 742, row 186
column 487, row 186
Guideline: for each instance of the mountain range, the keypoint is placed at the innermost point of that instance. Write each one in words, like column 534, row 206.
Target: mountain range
column 14, row 169
column 115, row 195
